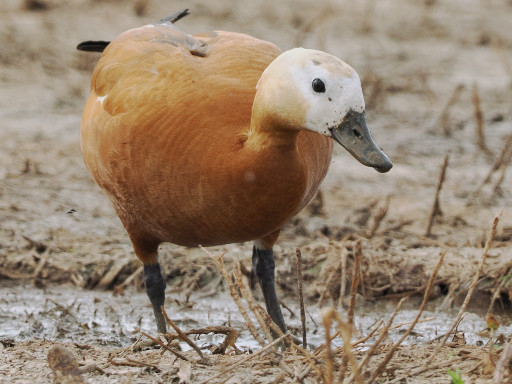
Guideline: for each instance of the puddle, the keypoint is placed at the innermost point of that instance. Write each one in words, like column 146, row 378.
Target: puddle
column 65, row 313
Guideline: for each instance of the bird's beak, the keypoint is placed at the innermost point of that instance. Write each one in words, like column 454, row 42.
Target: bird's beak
column 355, row 137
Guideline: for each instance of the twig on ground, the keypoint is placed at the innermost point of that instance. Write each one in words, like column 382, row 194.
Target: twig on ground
column 231, row 336
column 182, row 335
column 381, row 337
column 245, row 359
column 391, row 352
column 472, row 286
column 409, row 322
column 111, row 274
column 118, row 289
column 436, row 210
column 301, row 298
column 167, row 348
column 285, row 306
column 360, row 341
column 132, row 363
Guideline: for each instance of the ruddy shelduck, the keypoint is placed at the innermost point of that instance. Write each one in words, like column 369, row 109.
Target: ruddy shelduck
column 216, row 138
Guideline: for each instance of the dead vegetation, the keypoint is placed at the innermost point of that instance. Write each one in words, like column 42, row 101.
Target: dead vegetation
column 367, row 360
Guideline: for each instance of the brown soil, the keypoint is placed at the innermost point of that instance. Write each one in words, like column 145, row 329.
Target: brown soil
column 57, row 227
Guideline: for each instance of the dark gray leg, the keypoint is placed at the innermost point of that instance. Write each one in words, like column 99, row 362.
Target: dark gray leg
column 263, row 267
column 155, row 288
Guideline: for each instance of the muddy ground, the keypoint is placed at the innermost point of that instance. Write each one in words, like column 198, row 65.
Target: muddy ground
column 424, row 65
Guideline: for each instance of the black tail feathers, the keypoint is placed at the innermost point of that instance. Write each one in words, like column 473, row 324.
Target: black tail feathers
column 92, row 46
column 99, row 46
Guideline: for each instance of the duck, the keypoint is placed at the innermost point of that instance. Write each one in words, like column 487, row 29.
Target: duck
column 216, row 138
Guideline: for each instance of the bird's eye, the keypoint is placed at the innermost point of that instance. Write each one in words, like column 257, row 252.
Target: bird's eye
column 318, row 86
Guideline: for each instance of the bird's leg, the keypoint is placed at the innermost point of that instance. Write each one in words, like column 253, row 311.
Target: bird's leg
column 263, row 267
column 155, row 288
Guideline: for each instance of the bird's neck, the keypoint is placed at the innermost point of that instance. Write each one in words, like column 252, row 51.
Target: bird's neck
column 267, row 132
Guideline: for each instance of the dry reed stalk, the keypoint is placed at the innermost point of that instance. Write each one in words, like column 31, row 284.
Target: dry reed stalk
column 479, row 118
column 307, row 370
column 112, row 273
column 285, row 306
column 445, row 113
column 327, row 318
column 328, row 283
column 472, row 286
column 391, row 352
column 167, row 348
column 329, row 314
column 360, row 341
column 503, row 364
column 496, row 294
column 436, row 210
column 496, row 190
column 379, row 216
column 118, row 289
column 182, row 335
column 502, row 159
column 245, row 359
column 311, row 358
column 343, row 280
column 346, row 334
column 319, row 350
column 237, row 273
column 381, row 337
column 236, row 298
column 298, row 255
column 358, row 253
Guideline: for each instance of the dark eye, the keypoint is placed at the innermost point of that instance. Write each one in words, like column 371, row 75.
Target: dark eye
column 318, row 86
